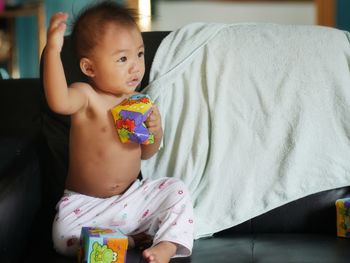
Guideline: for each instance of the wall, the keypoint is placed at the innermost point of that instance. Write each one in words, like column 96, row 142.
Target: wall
column 26, row 46
column 27, row 58
column 173, row 14
column 68, row 6
column 343, row 14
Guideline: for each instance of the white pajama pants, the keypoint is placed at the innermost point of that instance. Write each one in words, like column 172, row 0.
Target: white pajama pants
column 162, row 208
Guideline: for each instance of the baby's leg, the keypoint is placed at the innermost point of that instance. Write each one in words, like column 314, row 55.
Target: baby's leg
column 160, row 253
column 169, row 215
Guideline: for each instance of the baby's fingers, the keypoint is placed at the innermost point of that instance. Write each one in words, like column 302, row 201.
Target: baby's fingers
column 152, row 120
column 58, row 20
column 155, row 110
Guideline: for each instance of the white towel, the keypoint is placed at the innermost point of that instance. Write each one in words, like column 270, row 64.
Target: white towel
column 254, row 116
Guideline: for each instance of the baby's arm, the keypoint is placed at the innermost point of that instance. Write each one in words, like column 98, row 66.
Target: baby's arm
column 154, row 125
column 60, row 99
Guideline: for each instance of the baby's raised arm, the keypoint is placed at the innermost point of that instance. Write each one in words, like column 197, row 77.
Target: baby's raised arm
column 60, row 99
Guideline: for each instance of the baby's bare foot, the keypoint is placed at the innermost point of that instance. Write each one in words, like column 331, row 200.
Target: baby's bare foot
column 160, row 253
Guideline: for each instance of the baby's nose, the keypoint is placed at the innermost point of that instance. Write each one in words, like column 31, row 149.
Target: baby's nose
column 135, row 67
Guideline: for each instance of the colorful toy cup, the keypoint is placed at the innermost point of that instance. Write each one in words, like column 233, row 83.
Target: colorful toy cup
column 129, row 117
column 102, row 245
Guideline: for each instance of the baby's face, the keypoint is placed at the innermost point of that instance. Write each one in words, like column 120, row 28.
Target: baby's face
column 118, row 60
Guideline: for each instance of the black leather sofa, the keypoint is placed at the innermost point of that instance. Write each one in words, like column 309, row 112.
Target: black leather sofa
column 33, row 164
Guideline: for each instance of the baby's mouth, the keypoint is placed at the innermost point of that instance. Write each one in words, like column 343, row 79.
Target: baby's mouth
column 133, row 82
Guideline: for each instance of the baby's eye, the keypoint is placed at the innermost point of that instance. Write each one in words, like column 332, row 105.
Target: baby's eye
column 122, row 59
column 141, row 54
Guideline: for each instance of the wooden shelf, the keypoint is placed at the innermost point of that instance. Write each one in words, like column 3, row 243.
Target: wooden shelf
column 26, row 10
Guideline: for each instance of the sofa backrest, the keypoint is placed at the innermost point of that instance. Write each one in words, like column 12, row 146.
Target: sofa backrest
column 20, row 107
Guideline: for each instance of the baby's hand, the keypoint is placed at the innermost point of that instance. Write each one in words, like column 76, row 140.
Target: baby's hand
column 154, row 123
column 55, row 32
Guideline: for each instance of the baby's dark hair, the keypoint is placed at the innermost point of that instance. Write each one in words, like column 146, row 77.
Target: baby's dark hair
column 90, row 23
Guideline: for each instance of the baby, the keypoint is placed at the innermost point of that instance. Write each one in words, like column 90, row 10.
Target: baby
column 102, row 188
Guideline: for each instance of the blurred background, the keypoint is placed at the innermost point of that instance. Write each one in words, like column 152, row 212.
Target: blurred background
column 23, row 23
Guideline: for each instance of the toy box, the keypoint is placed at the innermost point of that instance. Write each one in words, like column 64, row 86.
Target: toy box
column 129, row 117
column 102, row 245
column 343, row 217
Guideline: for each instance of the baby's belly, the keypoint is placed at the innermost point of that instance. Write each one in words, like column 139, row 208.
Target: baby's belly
column 100, row 185
column 103, row 177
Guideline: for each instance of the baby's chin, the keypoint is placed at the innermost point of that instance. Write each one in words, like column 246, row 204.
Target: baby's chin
column 131, row 88
column 125, row 91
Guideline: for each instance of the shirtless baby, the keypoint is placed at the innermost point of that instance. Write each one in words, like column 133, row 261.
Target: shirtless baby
column 102, row 188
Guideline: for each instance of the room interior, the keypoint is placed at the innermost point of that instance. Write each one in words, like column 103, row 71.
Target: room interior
column 23, row 23
column 266, row 157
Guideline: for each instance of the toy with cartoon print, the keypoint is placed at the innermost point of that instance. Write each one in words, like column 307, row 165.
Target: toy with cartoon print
column 102, row 245
column 129, row 117
column 343, row 217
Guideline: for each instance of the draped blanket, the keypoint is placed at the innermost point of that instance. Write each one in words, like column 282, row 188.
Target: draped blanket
column 254, row 116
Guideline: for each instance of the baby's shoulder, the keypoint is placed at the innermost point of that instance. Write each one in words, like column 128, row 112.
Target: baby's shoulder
column 82, row 86
column 85, row 90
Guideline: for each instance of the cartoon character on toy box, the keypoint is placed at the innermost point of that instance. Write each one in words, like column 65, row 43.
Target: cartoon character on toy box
column 343, row 217
column 129, row 117
column 102, row 245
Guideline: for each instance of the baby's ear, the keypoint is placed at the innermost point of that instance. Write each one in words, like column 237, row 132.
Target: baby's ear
column 86, row 67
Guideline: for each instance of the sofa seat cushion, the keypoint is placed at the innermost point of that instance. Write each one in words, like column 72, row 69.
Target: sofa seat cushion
column 249, row 248
column 236, row 248
column 53, row 257
column 271, row 248
column 276, row 248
